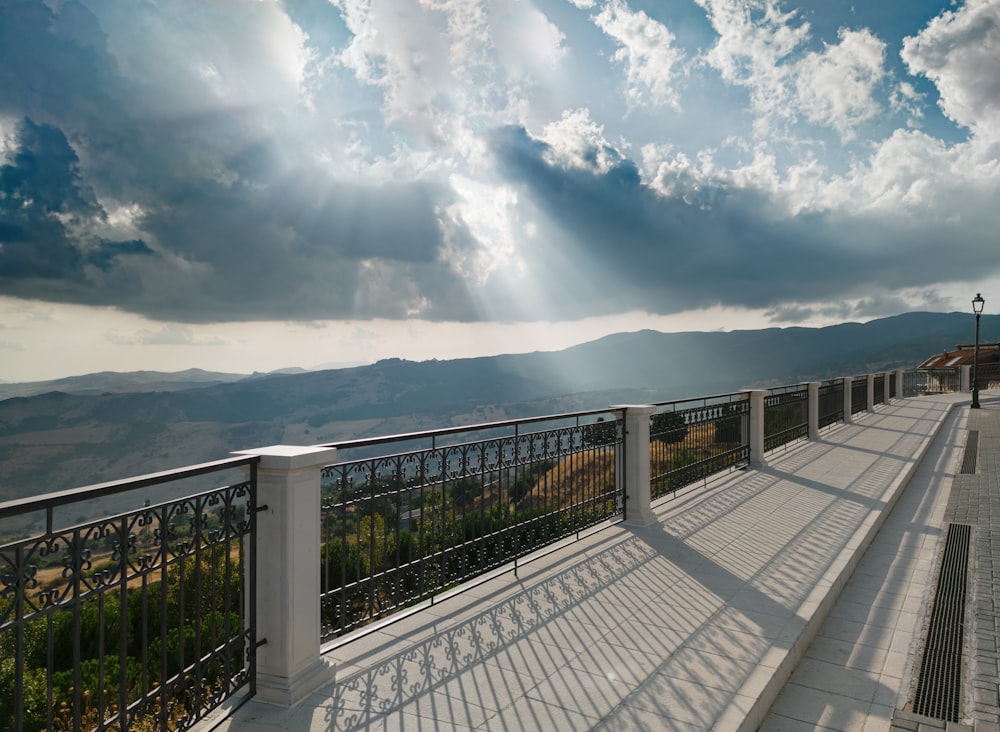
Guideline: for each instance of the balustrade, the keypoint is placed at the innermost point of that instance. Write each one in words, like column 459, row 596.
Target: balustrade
column 158, row 613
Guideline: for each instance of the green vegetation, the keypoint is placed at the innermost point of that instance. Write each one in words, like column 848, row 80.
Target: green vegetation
column 166, row 645
column 451, row 532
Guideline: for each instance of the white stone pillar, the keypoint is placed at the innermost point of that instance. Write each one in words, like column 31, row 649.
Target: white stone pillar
column 899, row 383
column 289, row 665
column 848, row 382
column 637, row 500
column 871, row 393
column 965, row 378
column 813, row 387
column 886, row 391
column 756, row 397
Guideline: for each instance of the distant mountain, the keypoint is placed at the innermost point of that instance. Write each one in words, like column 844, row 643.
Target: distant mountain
column 114, row 426
column 113, row 382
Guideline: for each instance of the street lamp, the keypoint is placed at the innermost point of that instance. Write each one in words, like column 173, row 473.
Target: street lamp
column 977, row 308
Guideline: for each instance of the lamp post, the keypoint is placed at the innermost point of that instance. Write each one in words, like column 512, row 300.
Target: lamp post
column 977, row 308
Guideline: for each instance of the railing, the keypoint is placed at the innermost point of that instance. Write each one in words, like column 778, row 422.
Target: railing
column 942, row 381
column 786, row 416
column 831, row 402
column 879, row 393
column 859, row 394
column 141, row 620
column 400, row 528
column 147, row 618
column 914, row 383
column 989, row 376
column 692, row 439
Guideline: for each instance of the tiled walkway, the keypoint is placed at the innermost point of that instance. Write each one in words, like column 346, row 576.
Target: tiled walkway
column 695, row 622
column 856, row 673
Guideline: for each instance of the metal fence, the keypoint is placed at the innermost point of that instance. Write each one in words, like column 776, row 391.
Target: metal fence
column 914, row 383
column 989, row 376
column 878, row 397
column 397, row 529
column 139, row 620
column 831, row 402
column 941, row 381
column 859, row 394
column 692, row 439
column 786, row 416
column 146, row 618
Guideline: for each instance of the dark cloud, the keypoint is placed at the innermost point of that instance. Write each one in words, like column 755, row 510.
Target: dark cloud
column 231, row 226
column 40, row 191
column 156, row 169
column 723, row 245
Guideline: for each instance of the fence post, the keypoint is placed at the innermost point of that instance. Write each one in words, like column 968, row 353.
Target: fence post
column 289, row 665
column 899, row 384
column 756, row 397
column 870, row 378
column 637, row 501
column 965, row 378
column 848, row 382
column 886, row 391
column 813, row 412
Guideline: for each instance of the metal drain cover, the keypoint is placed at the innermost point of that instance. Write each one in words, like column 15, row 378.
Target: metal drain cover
column 939, row 686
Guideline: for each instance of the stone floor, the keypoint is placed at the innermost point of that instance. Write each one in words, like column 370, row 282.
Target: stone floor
column 768, row 599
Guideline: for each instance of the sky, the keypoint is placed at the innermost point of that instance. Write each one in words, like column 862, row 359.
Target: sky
column 248, row 185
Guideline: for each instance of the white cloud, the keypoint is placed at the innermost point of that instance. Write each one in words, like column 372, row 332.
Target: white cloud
column 958, row 51
column 755, row 39
column 576, row 141
column 397, row 47
column 488, row 213
column 647, row 50
column 836, row 86
column 181, row 62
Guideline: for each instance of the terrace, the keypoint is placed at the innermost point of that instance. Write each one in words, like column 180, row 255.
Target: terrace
column 763, row 559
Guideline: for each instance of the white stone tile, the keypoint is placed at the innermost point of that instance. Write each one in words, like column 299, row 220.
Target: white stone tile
column 684, row 701
column 821, row 708
column 532, row 715
column 708, row 669
column 838, row 680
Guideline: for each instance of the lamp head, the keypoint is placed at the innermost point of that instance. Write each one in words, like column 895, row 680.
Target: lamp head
column 977, row 304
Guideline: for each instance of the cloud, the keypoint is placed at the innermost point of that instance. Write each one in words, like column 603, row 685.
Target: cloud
column 169, row 335
column 661, row 252
column 475, row 159
column 837, row 85
column 646, row 48
column 958, row 52
column 47, row 215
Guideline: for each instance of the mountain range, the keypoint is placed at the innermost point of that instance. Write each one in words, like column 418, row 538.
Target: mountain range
column 100, row 427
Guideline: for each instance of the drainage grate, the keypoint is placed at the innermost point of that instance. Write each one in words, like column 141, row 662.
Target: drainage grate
column 971, row 453
column 939, row 686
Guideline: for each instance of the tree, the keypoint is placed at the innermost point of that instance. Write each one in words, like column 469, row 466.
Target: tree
column 668, row 427
column 600, row 433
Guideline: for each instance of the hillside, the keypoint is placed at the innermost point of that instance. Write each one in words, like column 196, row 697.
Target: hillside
column 59, row 440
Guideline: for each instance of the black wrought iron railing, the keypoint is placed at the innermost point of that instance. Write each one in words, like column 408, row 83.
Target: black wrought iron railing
column 831, row 402
column 449, row 505
column 878, row 396
column 132, row 605
column 915, row 383
column 942, row 381
column 693, row 439
column 859, row 394
column 786, row 415
column 989, row 376
column 140, row 619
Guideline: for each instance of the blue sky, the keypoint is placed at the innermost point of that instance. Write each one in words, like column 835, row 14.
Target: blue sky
column 248, row 185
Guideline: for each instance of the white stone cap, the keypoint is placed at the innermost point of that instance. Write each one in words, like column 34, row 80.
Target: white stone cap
column 291, row 457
